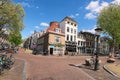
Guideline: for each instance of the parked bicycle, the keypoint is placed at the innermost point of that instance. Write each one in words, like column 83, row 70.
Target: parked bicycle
column 11, row 59
column 1, row 67
column 6, row 62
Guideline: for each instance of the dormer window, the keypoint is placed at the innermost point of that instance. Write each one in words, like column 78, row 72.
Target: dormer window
column 68, row 22
column 75, row 25
column 57, row 30
column 71, row 23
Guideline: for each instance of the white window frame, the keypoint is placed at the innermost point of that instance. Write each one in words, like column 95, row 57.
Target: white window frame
column 57, row 38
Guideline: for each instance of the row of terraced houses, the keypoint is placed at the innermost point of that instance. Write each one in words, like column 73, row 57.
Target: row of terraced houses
column 64, row 38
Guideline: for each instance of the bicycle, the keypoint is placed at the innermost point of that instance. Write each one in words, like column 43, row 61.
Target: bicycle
column 11, row 59
column 1, row 67
column 7, row 61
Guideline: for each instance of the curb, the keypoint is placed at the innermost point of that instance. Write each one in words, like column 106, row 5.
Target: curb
column 105, row 68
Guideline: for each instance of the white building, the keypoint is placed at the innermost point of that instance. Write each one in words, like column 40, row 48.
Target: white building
column 81, row 43
column 70, row 28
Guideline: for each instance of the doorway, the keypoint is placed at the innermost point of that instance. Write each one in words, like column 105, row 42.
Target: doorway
column 51, row 51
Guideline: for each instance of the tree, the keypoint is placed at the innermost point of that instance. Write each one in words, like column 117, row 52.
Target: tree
column 11, row 16
column 11, row 19
column 15, row 38
column 109, row 21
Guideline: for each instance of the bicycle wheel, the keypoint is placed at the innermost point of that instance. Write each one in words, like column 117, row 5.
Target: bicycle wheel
column 12, row 59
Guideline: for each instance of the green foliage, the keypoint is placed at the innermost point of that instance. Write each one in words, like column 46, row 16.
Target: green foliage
column 59, row 45
column 109, row 21
column 11, row 19
column 11, row 16
column 15, row 38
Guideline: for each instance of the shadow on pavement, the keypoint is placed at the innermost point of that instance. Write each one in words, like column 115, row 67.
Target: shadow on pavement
column 78, row 66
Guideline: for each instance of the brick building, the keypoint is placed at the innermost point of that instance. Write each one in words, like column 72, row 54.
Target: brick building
column 52, row 42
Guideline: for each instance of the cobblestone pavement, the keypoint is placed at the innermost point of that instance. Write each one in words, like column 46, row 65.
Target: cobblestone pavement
column 37, row 67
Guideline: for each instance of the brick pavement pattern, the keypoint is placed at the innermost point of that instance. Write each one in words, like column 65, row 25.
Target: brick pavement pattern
column 38, row 67
column 51, row 67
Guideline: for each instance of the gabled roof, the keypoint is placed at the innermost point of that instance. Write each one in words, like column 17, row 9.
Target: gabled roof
column 67, row 17
column 53, row 26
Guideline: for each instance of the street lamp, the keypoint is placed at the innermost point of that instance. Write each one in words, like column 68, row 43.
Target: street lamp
column 98, row 31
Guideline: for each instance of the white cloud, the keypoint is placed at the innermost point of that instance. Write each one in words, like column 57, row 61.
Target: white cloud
column 44, row 24
column 95, row 7
column 75, row 15
column 37, row 27
column 25, row 4
column 72, row 16
column 91, row 30
column 90, row 16
column 31, row 32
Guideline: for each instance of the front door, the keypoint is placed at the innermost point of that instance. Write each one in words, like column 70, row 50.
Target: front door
column 51, row 51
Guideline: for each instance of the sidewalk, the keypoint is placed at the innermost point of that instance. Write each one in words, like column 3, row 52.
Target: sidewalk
column 113, row 68
column 15, row 73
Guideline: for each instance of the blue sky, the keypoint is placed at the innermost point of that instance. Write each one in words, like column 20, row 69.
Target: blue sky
column 39, row 13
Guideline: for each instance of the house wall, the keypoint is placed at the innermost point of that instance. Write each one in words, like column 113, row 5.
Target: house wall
column 52, row 42
column 70, row 44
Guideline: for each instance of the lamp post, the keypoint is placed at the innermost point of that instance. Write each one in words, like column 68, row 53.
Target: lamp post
column 97, row 30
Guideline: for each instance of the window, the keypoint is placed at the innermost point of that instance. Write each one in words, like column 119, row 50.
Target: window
column 71, row 38
column 57, row 39
column 74, row 31
column 81, row 43
column 74, row 38
column 75, row 25
column 67, row 29
column 78, row 42
column 68, row 22
column 71, row 23
column 71, row 30
column 57, row 30
column 67, row 37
